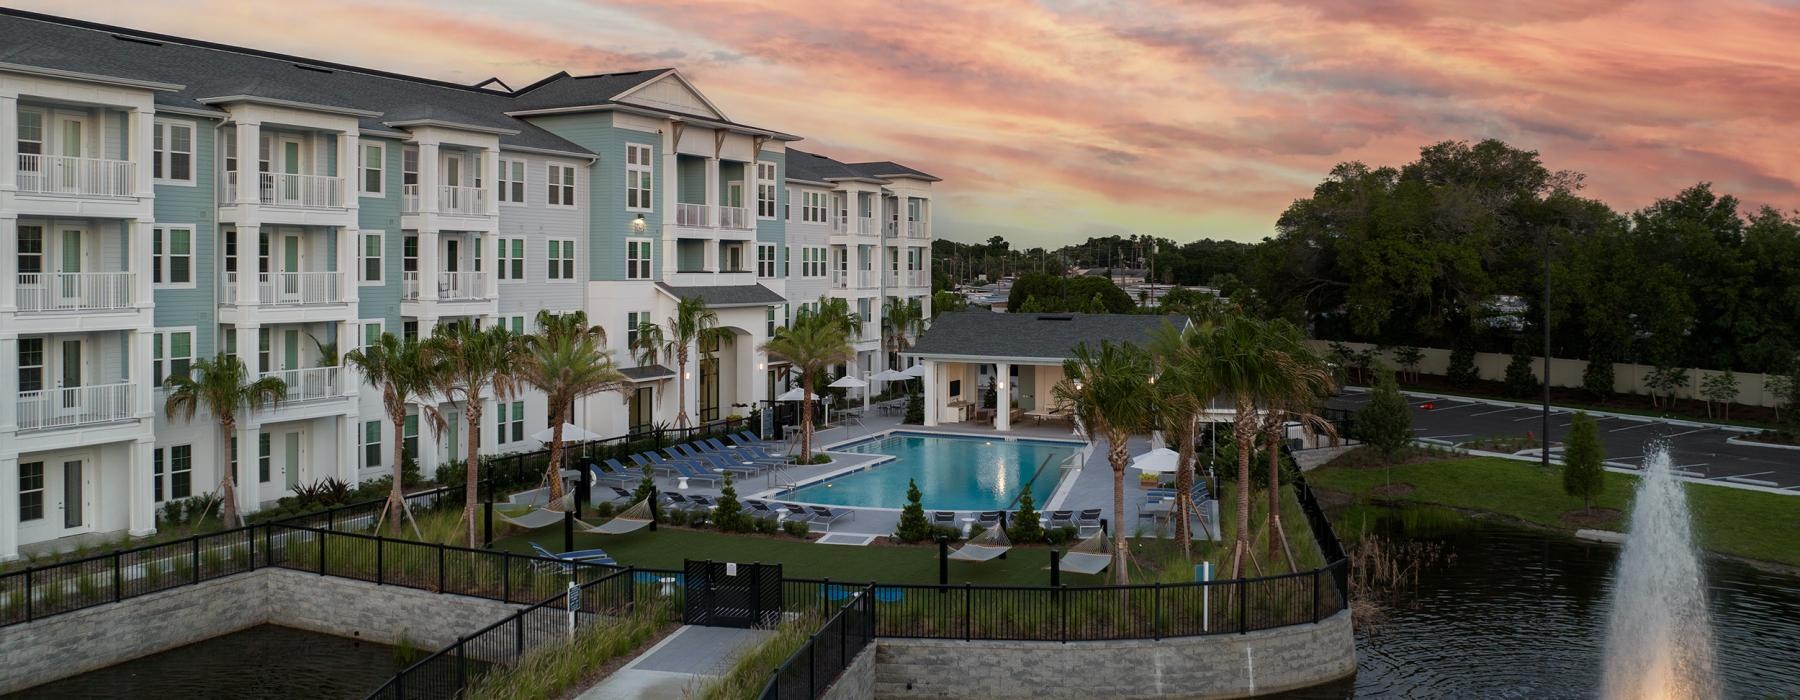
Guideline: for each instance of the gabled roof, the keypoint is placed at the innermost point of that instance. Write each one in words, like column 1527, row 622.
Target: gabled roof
column 887, row 169
column 570, row 93
column 813, row 167
column 1039, row 338
column 725, row 296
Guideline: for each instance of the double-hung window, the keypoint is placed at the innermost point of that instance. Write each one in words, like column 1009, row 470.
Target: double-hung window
column 637, row 258
column 813, row 209
column 371, row 443
column 511, row 426
column 813, row 261
column 171, row 354
column 561, row 185
column 765, row 260
column 181, row 471
column 370, row 254
column 172, row 152
column 371, row 333
column 172, row 256
column 512, row 259
column 409, row 438
column 265, row 460
column 562, row 260
column 633, row 321
column 31, row 364
column 765, row 190
column 374, row 168
column 637, row 177
column 31, row 250
column 512, row 181
column 157, row 469
column 31, row 491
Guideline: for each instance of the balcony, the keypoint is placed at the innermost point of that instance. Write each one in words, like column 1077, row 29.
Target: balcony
column 48, row 292
column 853, row 279
column 288, row 288
column 693, row 215
column 708, row 216
column 915, row 229
column 864, row 226
column 74, row 406
column 917, row 278
column 312, row 384
column 737, row 218
column 78, row 177
column 464, row 201
column 289, row 190
column 451, row 286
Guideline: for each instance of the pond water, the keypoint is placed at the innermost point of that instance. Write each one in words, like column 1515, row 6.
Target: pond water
column 1522, row 614
column 265, row 661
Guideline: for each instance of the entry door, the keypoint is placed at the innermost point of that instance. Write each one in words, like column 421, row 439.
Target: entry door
column 290, row 156
column 453, row 435
column 287, row 286
column 69, row 379
column 70, row 140
column 70, row 291
column 293, row 452
column 734, row 194
column 290, row 349
column 452, row 255
column 75, row 494
column 709, row 389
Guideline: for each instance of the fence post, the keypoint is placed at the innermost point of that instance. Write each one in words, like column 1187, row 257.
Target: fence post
column 569, row 530
column 28, row 595
column 1062, row 611
column 487, row 522
column 380, row 566
column 119, row 579
column 320, row 536
column 968, row 611
column 1243, row 608
column 195, row 540
column 1315, row 596
column 1156, row 612
column 440, row 548
column 269, row 545
column 1055, row 567
column 462, row 665
column 331, row 518
column 505, row 577
column 250, row 536
column 654, row 497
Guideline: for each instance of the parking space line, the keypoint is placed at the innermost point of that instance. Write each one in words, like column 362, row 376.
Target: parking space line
column 1489, row 413
column 1644, row 424
column 1690, row 432
column 1740, row 476
column 1534, row 416
column 1444, row 437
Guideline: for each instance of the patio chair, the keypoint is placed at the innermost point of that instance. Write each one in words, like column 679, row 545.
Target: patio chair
column 656, row 462
column 744, row 454
column 760, row 509
column 944, row 518
column 612, row 470
column 702, row 501
column 1087, row 518
column 988, row 519
column 679, row 501
column 722, row 463
column 796, row 511
column 827, row 516
column 566, row 561
column 622, row 494
column 1061, row 518
column 759, row 454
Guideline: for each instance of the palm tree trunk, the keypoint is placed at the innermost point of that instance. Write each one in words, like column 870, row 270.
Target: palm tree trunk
column 471, row 465
column 681, row 414
column 1244, row 431
column 1278, row 543
column 396, row 504
column 1184, row 480
column 1118, row 455
column 806, row 423
column 554, row 471
column 227, row 480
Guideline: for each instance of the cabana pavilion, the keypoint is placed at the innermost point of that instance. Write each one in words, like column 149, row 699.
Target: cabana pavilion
column 1024, row 351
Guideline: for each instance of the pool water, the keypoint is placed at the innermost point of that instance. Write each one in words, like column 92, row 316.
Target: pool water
column 953, row 473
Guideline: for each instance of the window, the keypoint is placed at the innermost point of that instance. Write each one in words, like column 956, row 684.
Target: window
column 813, row 261
column 374, row 167
column 765, row 190
column 511, row 426
column 31, row 364
column 771, row 319
column 263, row 350
column 562, row 260
column 181, row 471
column 31, row 491
column 637, row 258
column 512, row 259
column 171, row 354
column 787, row 211
column 409, row 254
column 172, row 256
column 156, row 475
column 172, row 151
column 371, row 258
column 371, row 333
column 765, row 260
column 517, row 325
column 637, row 177
column 561, row 185
column 813, row 210
column 633, row 321
column 409, row 167
column 409, row 442
column 372, row 443
column 263, row 460
column 409, row 330
column 512, row 181
column 31, row 138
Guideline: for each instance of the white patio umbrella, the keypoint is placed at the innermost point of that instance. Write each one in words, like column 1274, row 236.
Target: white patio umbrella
column 571, row 433
column 794, row 394
column 915, row 371
column 849, row 382
column 889, row 375
column 1161, row 460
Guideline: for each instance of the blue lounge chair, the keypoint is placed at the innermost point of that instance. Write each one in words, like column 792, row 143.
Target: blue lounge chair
column 740, row 454
column 611, row 473
column 681, row 468
column 657, row 465
column 827, row 516
column 567, row 560
column 624, row 472
column 1062, row 518
column 796, row 511
column 725, row 464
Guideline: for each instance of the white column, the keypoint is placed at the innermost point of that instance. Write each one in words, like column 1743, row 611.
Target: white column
column 249, row 187
column 249, row 482
column 490, row 263
column 9, row 506
column 247, row 347
column 143, row 392
column 349, row 245
column 428, row 264
column 1002, row 396
column 9, row 155
column 248, row 259
column 933, row 394
column 349, row 430
column 143, row 497
column 349, row 169
column 349, row 337
column 137, row 245
column 9, row 258
column 9, row 396
column 712, row 191
column 429, row 169
column 141, row 142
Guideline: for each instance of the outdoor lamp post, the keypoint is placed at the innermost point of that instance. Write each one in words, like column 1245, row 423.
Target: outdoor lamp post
column 1545, row 450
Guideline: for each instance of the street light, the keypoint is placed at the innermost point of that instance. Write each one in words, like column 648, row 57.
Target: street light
column 1545, row 450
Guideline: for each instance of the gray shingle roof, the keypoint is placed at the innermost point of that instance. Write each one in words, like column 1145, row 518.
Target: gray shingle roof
column 647, row 373
column 817, row 168
column 984, row 334
column 722, row 296
column 888, row 168
column 564, row 90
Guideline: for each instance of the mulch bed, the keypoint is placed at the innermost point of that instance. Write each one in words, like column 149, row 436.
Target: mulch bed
column 1589, row 518
column 1393, row 490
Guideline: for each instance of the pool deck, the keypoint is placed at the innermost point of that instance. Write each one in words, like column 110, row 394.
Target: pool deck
column 1088, row 487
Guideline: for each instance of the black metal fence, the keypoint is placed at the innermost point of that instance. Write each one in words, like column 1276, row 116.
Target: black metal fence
column 817, row 664
column 53, row 589
column 522, row 468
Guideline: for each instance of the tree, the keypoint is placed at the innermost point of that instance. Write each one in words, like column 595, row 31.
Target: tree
column 1105, row 389
column 1583, row 476
column 728, row 513
column 693, row 325
column 566, row 360
column 1721, row 388
column 1462, row 371
column 472, row 362
column 1299, row 382
column 1785, row 387
column 1666, row 381
column 405, row 375
column 1245, row 372
column 947, row 301
column 1025, row 525
column 1385, row 422
column 1182, row 388
column 812, row 344
column 1521, row 382
column 222, row 387
column 901, row 321
column 913, row 525
column 1408, row 358
column 915, row 409
column 1597, row 379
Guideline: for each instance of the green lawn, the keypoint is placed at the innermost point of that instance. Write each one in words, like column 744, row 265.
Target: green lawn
column 1739, row 522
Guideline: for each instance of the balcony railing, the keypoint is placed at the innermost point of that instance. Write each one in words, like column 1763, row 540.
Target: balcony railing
column 736, row 218
column 916, row 278
column 915, row 229
column 75, row 291
column 72, row 406
column 288, row 288
column 864, row 226
column 66, row 175
column 694, row 215
column 288, row 190
column 853, row 279
column 409, row 285
column 312, row 384
column 451, row 286
column 451, row 200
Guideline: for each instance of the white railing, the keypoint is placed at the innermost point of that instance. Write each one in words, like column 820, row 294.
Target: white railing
column 462, row 285
column 310, row 384
column 891, row 279
column 285, row 190
column 840, row 279
column 409, row 199
column 75, row 291
column 81, row 405
column 66, row 175
column 696, row 215
column 736, row 218
column 462, row 200
column 287, row 288
column 865, row 226
column 865, row 279
column 915, row 229
column 916, row 278
column 409, row 285
column 887, row 229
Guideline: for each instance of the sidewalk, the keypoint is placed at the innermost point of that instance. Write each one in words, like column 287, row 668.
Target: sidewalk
column 677, row 667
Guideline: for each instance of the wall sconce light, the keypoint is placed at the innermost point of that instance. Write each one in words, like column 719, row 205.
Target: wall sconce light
column 760, row 366
column 687, row 375
column 638, row 224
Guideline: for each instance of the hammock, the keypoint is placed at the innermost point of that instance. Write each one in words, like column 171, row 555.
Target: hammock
column 1091, row 556
column 633, row 518
column 987, row 545
column 534, row 517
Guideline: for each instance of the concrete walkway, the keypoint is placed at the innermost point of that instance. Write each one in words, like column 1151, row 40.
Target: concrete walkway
column 678, row 666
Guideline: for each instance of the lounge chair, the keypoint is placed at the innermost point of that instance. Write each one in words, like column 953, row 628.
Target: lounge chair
column 722, row 463
column 622, row 472
column 1061, row 518
column 657, row 463
column 622, row 495
column 796, row 511
column 685, row 468
column 988, row 520
column 760, row 509
column 944, row 518
column 1088, row 518
column 702, row 501
column 566, row 561
column 743, row 453
column 827, row 516
column 677, row 500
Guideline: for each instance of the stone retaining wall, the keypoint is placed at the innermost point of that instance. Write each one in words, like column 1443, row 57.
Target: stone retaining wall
column 73, row 643
column 1216, row 666
column 857, row 682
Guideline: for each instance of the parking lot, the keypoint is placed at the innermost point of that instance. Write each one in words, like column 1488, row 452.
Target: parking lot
column 1700, row 452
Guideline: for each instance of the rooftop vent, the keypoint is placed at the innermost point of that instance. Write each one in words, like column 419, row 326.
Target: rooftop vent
column 315, row 69
column 136, row 40
column 1055, row 318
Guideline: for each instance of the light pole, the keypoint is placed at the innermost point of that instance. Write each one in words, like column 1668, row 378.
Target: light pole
column 1546, row 414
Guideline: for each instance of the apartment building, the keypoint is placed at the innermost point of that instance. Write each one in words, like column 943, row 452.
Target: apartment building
column 164, row 200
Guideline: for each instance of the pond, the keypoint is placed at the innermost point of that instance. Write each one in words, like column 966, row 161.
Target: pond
column 265, row 661
column 1522, row 614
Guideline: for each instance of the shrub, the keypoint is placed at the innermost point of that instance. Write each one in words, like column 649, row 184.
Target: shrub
column 797, row 528
column 765, row 526
column 1409, row 357
column 1720, row 388
column 729, row 514
column 1583, row 476
column 1461, row 371
column 915, row 409
column 1061, row 535
column 913, row 525
column 1025, row 526
column 1597, row 379
column 1385, row 422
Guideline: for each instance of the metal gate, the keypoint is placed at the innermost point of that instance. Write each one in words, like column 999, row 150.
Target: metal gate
column 723, row 594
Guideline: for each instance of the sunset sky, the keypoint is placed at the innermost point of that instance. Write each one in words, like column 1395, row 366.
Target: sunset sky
column 1053, row 120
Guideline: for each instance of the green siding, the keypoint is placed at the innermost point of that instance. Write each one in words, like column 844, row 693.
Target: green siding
column 773, row 230
column 178, row 204
column 382, row 214
column 691, row 174
column 609, row 222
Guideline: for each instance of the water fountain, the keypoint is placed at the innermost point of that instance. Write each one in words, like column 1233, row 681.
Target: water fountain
column 1659, row 641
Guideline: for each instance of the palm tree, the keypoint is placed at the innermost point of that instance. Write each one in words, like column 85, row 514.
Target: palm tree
column 813, row 343
column 1107, row 391
column 221, row 386
column 1299, row 381
column 901, row 319
column 1182, row 387
column 567, row 360
column 405, row 375
column 472, row 361
column 1241, row 368
column 692, row 325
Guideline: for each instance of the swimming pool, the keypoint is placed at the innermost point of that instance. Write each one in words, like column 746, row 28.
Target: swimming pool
column 953, row 473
